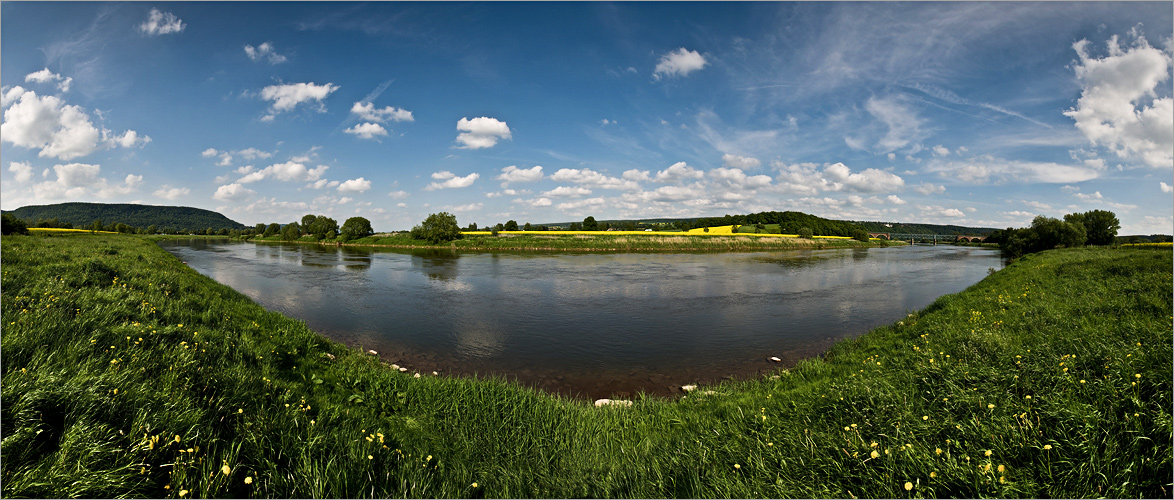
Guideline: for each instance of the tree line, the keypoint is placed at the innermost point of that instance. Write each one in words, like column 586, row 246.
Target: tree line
column 1095, row 227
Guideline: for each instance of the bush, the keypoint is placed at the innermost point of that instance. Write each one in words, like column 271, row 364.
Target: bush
column 805, row 232
column 860, row 235
column 438, row 228
column 12, row 225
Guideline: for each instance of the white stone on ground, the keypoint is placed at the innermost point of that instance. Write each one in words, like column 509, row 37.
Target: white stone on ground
column 775, row 359
column 613, row 402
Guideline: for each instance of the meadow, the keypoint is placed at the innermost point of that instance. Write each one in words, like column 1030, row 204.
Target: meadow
column 721, row 239
column 125, row 373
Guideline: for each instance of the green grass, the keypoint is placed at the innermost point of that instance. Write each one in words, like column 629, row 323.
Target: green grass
column 118, row 359
column 602, row 242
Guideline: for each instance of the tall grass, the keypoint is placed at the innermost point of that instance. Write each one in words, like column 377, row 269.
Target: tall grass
column 127, row 374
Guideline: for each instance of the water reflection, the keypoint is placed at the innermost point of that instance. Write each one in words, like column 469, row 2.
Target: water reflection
column 590, row 323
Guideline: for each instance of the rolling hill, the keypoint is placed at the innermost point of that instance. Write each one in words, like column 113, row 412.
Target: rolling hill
column 140, row 216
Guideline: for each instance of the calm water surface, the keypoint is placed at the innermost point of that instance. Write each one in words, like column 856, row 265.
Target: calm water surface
column 590, row 325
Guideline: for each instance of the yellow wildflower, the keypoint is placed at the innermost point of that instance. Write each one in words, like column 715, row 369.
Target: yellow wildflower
column 937, row 451
column 1047, row 446
column 908, row 485
column 736, row 466
column 226, row 469
column 987, row 453
column 874, row 454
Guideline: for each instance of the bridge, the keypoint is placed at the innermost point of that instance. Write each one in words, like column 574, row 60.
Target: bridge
column 935, row 238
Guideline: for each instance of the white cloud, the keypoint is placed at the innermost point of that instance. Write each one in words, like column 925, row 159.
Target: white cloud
column 736, row 178
column 1019, row 214
column 210, row 152
column 869, row 181
column 354, row 186
column 46, row 76
column 678, row 172
column 1166, row 188
column 680, row 62
column 471, row 207
column 536, row 203
column 253, row 153
column 322, row 183
column 22, row 172
column 1111, row 112
column 367, row 130
column 940, row 150
column 398, row 195
column 1037, row 205
column 11, row 95
column 161, row 23
column 927, row 189
column 233, row 192
column 170, row 193
column 736, row 161
column 636, row 175
column 896, row 200
column 264, row 51
column 481, row 132
column 515, row 174
column 451, row 181
column 989, row 169
column 287, row 96
column 59, row 130
column 902, row 122
column 591, row 178
column 79, row 180
column 675, row 193
column 580, row 206
column 366, row 111
column 1089, row 197
column 288, row 171
column 567, row 192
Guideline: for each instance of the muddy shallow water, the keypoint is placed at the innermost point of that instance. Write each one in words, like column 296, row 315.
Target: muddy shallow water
column 590, row 325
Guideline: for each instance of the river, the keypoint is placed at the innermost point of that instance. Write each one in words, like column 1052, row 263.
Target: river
column 590, row 324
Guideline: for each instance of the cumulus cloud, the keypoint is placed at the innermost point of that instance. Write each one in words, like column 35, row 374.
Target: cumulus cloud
column 680, row 62
column 288, row 96
column 1111, row 110
column 161, row 23
column 451, row 181
column 591, row 178
column 927, row 189
column 636, row 175
column 79, row 180
column 265, row 51
column 581, row 206
column 481, row 132
column 367, row 130
column 58, row 129
column 514, row 174
column 354, row 186
column 675, row 193
column 46, row 76
column 678, row 172
column 233, row 192
column 894, row 199
column 806, row 178
column 366, row 111
column 22, row 172
column 567, row 192
column 536, row 203
column 170, row 193
column 471, row 207
column 940, row 150
column 989, row 169
column 288, row 171
column 322, row 183
column 736, row 161
column 398, row 195
column 1166, row 188
column 736, row 178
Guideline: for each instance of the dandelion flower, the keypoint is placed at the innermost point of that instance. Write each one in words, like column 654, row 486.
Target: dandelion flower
column 183, row 493
column 177, row 438
column 873, row 444
column 240, row 410
column 937, row 451
column 990, row 405
column 1136, row 375
column 925, row 417
column 249, row 480
column 226, row 469
column 474, row 485
column 908, row 485
column 1047, row 446
column 1002, row 479
column 874, row 454
column 933, row 474
column 736, row 466
column 987, row 453
column 370, row 457
column 1001, row 469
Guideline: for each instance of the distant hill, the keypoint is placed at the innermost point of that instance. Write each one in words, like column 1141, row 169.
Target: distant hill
column 140, row 216
column 915, row 228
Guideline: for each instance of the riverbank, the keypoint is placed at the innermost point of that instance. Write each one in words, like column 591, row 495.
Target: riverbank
column 125, row 373
column 614, row 241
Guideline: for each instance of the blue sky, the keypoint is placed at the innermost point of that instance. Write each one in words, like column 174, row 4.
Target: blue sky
column 982, row 114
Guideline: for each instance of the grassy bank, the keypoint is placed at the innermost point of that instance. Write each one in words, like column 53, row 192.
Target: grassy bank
column 615, row 241
column 127, row 374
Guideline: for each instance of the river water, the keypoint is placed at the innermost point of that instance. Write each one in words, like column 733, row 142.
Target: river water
column 590, row 324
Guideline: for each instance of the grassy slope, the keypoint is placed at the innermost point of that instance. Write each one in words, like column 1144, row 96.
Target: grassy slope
column 89, row 409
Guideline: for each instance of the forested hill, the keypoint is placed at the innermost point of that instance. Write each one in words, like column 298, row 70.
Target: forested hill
column 897, row 227
column 141, row 216
column 789, row 222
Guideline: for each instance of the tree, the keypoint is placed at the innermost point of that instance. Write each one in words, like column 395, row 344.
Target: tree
column 12, row 225
column 307, row 221
column 805, row 232
column 272, row 229
column 291, row 231
column 472, row 226
column 1100, row 226
column 1045, row 233
column 860, row 235
column 511, row 225
column 438, row 228
column 321, row 227
column 356, row 227
column 575, row 226
column 527, row 227
column 589, row 224
column 96, row 225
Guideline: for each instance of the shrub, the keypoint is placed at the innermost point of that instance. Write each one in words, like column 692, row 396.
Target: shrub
column 438, row 228
column 805, row 232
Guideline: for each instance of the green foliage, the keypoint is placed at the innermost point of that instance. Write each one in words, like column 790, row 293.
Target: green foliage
column 272, row 229
column 788, row 222
column 589, row 224
column 527, row 227
column 13, row 225
column 909, row 228
column 575, row 226
column 1047, row 233
column 291, row 231
column 356, row 227
column 510, row 225
column 860, row 235
column 83, row 214
column 1101, row 226
column 805, row 232
column 321, row 226
column 438, row 228
column 1028, row 390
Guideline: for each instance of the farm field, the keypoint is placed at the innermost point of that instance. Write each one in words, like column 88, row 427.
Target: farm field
column 125, row 373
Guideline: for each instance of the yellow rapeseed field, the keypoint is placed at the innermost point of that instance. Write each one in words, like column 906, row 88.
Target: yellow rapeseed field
column 62, row 230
